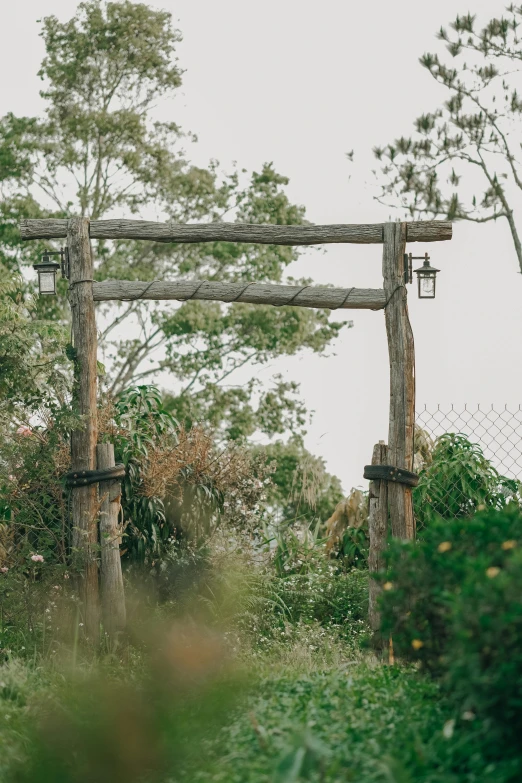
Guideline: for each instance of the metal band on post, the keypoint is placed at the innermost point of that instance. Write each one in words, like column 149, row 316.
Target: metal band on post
column 391, row 473
column 82, row 478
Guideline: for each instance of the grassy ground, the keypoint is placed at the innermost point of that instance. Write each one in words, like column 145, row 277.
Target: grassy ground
column 301, row 716
column 276, row 700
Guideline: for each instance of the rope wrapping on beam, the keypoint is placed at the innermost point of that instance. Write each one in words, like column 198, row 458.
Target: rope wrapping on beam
column 290, row 302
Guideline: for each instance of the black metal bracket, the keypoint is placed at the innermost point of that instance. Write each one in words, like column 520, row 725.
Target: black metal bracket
column 408, row 268
column 82, row 478
column 390, row 473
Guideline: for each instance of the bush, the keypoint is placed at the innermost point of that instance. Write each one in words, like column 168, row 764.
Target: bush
column 424, row 578
column 328, row 598
column 459, row 480
column 485, row 658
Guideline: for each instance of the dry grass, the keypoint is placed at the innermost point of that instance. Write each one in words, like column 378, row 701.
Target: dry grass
column 194, row 458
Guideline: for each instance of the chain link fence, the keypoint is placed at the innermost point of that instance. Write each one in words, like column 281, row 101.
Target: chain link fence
column 467, row 457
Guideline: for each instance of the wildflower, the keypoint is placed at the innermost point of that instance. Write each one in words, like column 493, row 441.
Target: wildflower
column 24, row 431
column 37, row 558
column 4, row 570
column 417, row 644
column 387, row 586
column 468, row 715
column 481, row 507
column 449, row 726
column 492, row 572
column 444, row 546
column 511, row 544
column 81, row 625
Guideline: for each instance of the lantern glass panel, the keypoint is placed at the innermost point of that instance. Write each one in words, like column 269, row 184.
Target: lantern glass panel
column 47, row 282
column 427, row 286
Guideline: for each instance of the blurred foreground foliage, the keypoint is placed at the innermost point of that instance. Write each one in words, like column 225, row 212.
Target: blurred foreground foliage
column 451, row 602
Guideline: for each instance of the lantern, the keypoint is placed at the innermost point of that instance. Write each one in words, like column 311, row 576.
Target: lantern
column 47, row 270
column 426, row 276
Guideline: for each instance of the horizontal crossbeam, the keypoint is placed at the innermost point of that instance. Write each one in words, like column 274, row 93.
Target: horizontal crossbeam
column 254, row 293
column 371, row 233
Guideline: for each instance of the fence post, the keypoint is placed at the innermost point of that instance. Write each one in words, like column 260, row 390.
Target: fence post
column 112, row 593
column 378, row 529
column 83, row 439
column 402, row 378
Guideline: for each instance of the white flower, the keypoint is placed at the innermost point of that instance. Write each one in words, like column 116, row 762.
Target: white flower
column 448, row 729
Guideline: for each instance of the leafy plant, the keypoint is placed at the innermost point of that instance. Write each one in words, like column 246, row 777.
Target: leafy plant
column 484, row 662
column 424, row 579
column 179, row 484
column 459, row 480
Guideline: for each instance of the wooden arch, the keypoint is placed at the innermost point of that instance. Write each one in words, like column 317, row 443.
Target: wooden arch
column 390, row 502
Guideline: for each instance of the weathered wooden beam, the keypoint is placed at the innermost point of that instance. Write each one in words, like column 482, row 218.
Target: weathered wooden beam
column 371, row 233
column 113, row 596
column 255, row 293
column 83, row 439
column 402, row 379
column 378, row 530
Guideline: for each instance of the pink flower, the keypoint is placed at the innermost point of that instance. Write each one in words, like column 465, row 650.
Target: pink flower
column 4, row 570
column 24, row 431
column 37, row 558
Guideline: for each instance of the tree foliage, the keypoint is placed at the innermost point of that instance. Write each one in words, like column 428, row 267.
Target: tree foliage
column 100, row 148
column 33, row 367
column 462, row 161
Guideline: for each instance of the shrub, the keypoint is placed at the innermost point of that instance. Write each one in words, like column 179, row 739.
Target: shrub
column 485, row 658
column 179, row 483
column 424, row 578
column 457, row 481
column 332, row 599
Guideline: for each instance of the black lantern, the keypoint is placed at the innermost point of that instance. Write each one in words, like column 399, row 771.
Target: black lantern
column 426, row 276
column 47, row 270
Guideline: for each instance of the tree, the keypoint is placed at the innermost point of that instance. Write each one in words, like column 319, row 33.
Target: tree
column 100, row 150
column 463, row 160
column 33, row 366
column 302, row 491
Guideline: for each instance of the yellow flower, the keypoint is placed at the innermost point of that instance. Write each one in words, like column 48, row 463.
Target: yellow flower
column 445, row 546
column 511, row 544
column 387, row 586
column 492, row 572
column 417, row 644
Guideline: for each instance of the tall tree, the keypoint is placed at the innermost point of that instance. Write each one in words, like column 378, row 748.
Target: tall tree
column 99, row 149
column 463, row 159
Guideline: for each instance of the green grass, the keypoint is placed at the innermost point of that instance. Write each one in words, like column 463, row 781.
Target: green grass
column 300, row 717
column 359, row 722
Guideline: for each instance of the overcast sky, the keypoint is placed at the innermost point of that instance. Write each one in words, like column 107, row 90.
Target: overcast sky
column 300, row 83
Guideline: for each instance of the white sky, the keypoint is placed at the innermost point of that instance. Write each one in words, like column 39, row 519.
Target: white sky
column 300, row 83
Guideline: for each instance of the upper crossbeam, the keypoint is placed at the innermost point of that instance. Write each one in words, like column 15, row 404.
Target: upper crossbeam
column 370, row 233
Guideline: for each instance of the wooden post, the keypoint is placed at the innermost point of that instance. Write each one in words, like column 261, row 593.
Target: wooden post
column 83, row 440
column 378, row 529
column 113, row 597
column 402, row 378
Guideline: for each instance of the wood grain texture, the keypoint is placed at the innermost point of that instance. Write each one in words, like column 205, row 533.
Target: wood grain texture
column 402, row 379
column 83, row 440
column 112, row 592
column 254, row 293
column 371, row 233
column 378, row 531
